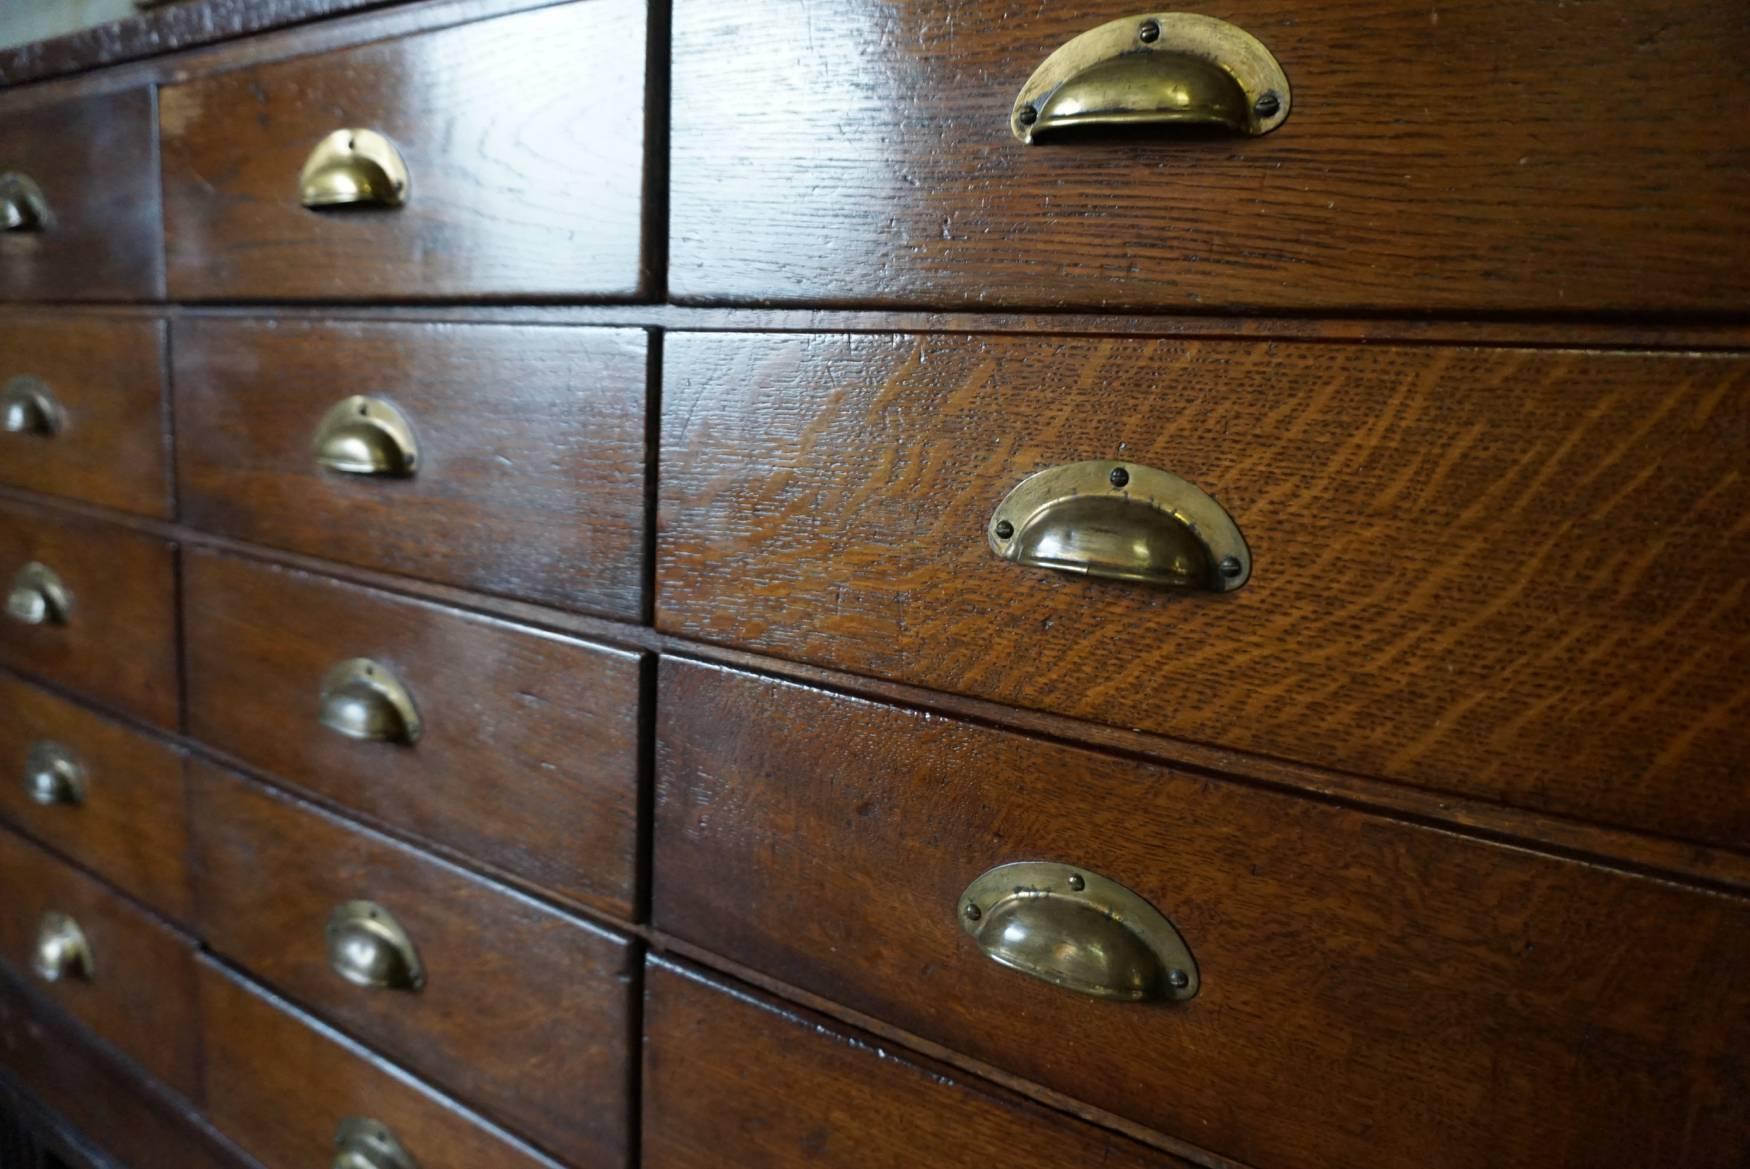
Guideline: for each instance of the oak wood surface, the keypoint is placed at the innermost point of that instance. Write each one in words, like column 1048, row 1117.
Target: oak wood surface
column 118, row 647
column 107, row 376
column 131, row 824
column 1518, row 576
column 531, row 451
column 523, row 136
column 524, row 1013
column 1485, row 155
column 140, row 996
column 279, row 1083
column 1372, row 992
column 529, row 757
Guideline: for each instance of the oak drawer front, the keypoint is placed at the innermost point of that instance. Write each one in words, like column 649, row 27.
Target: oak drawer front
column 109, row 797
column 1370, row 992
column 527, row 444
column 527, row 758
column 734, row 1080
column 84, row 179
column 85, row 412
column 523, row 143
column 116, row 969
column 280, row 1084
column 1464, row 566
column 91, row 606
column 514, row 1008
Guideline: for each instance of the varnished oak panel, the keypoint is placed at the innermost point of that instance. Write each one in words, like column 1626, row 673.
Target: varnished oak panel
column 131, row 826
column 531, row 451
column 1483, row 156
column 108, row 378
column 524, row 141
column 140, row 997
column 734, row 1080
column 1514, row 575
column 524, row 1013
column 279, row 1084
column 1373, row 993
column 118, row 647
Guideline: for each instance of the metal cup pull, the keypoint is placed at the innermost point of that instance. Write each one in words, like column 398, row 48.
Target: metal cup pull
column 364, row 700
column 22, row 206
column 62, row 953
column 28, row 407
column 38, row 597
column 1077, row 930
column 366, row 436
column 363, row 1143
column 353, row 168
column 53, row 776
column 368, row 947
column 1121, row 521
column 1159, row 69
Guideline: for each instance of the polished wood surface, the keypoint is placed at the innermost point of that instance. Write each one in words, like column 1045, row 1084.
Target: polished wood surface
column 531, row 446
column 131, row 825
column 107, row 376
column 1485, row 157
column 1373, row 993
column 524, row 138
column 1466, row 562
column 140, row 997
column 118, row 647
column 735, row 1080
column 525, row 1013
column 529, row 758
column 279, row 1083
column 94, row 160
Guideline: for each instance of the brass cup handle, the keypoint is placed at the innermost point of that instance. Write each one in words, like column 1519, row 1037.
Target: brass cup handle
column 38, row 597
column 53, row 776
column 366, row 436
column 368, row 948
column 364, row 700
column 363, row 1143
column 1160, row 69
column 352, row 169
column 22, row 206
column 62, row 953
column 28, row 407
column 1078, row 930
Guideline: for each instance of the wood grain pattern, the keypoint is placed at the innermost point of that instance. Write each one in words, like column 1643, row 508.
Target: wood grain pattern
column 734, row 1080
column 524, row 137
column 94, row 160
column 1373, row 993
column 279, row 1083
column 108, row 378
column 529, row 760
column 140, row 998
column 531, row 445
column 132, row 827
column 524, row 1014
column 1478, row 156
column 119, row 646
column 1519, row 576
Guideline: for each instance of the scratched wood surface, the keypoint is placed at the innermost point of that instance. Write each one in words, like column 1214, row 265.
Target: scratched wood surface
column 1515, row 575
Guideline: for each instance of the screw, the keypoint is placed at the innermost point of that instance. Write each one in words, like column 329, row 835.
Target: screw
column 1076, row 883
column 1150, row 32
column 1029, row 115
column 973, row 912
column 1005, row 529
column 1231, row 567
column 1178, row 979
column 1119, row 476
column 1267, row 105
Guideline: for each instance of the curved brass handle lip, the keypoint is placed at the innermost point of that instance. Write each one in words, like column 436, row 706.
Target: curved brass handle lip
column 363, row 1143
column 38, row 597
column 53, row 775
column 1121, row 521
column 1164, row 68
column 364, row 700
column 28, row 406
column 1078, row 930
column 354, row 168
column 362, row 435
column 23, row 208
column 62, row 951
column 368, row 948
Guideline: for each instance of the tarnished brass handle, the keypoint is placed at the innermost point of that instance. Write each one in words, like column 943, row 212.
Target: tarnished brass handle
column 28, row 407
column 38, row 597
column 368, row 947
column 1157, row 69
column 53, row 776
column 1078, row 930
column 354, row 168
column 22, row 206
column 363, row 1143
column 1121, row 521
column 366, row 701
column 366, row 436
column 61, row 950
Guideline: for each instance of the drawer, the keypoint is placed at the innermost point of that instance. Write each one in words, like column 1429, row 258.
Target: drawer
column 110, row 798
column 81, row 180
column 119, row 971
column 281, row 1085
column 1463, row 559
column 521, row 140
column 1366, row 991
column 514, row 1008
column 91, row 606
column 1425, row 164
column 521, row 471
column 527, row 756
column 85, row 413
column 734, row 1080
